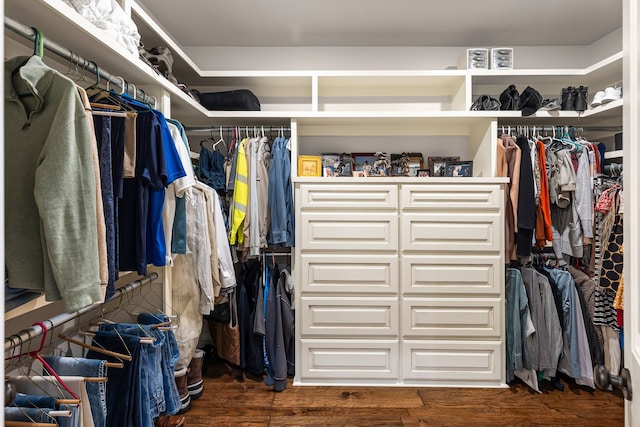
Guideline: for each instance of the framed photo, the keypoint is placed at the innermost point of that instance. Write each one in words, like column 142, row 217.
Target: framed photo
column 456, row 169
column 423, row 173
column 330, row 164
column 346, row 167
column 415, row 162
column 437, row 165
column 364, row 162
column 309, row 166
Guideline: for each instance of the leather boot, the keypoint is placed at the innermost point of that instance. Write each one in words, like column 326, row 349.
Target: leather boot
column 581, row 98
column 195, row 384
column 181, row 382
column 169, row 421
column 568, row 99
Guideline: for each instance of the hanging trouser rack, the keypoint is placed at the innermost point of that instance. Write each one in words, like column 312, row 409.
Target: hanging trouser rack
column 34, row 331
column 82, row 63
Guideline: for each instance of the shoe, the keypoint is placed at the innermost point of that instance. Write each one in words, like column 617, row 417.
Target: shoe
column 597, row 99
column 568, row 99
column 581, row 98
column 552, row 104
column 181, row 382
column 169, row 421
column 195, row 384
column 612, row 94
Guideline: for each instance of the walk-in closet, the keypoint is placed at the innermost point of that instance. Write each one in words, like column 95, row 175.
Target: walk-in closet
column 287, row 214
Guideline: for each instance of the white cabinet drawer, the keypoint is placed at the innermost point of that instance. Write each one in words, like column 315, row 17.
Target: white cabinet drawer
column 340, row 360
column 453, row 274
column 372, row 274
column 463, row 362
column 362, row 198
column 452, row 232
column 452, row 197
column 361, row 232
column 452, row 317
column 349, row 316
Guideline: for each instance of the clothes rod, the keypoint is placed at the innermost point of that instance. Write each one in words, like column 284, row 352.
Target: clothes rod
column 271, row 128
column 34, row 331
column 83, row 63
column 567, row 127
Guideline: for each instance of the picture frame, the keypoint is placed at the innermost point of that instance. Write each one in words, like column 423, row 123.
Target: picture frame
column 347, row 165
column 423, row 173
column 330, row 164
column 437, row 165
column 364, row 162
column 415, row 162
column 309, row 165
column 459, row 169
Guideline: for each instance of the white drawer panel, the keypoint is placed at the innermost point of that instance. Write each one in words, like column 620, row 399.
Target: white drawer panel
column 363, row 197
column 452, row 317
column 355, row 273
column 349, row 316
column 352, row 359
column 465, row 361
column 363, row 231
column 452, row 232
column 451, row 197
column 453, row 274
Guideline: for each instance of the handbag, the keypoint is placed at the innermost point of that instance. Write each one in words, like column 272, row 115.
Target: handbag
column 221, row 312
column 485, row 103
column 510, row 98
column 231, row 100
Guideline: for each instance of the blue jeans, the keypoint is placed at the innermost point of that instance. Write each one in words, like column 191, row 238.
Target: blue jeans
column 87, row 368
column 35, row 408
column 170, row 355
column 124, row 400
column 150, row 369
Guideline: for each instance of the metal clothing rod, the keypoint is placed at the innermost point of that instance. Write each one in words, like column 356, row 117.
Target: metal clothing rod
column 232, row 128
column 83, row 63
column 556, row 128
column 34, row 331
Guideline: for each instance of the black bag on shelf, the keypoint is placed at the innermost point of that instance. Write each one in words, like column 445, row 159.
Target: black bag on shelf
column 232, row 100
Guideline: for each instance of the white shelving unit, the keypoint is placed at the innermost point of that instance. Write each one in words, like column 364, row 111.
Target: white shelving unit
column 400, row 279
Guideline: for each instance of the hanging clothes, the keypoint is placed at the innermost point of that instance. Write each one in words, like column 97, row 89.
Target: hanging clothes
column 51, row 232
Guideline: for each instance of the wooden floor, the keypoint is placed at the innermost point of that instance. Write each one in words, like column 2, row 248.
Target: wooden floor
column 229, row 400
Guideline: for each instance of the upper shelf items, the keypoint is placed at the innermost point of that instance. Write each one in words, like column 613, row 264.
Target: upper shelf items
column 303, row 94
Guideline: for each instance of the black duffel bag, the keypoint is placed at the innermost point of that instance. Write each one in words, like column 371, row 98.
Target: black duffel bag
column 232, row 100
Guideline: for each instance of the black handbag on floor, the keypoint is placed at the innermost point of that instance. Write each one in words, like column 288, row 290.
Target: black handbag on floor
column 232, row 100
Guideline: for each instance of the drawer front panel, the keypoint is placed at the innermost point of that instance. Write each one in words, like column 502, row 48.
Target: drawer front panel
column 454, row 274
column 451, row 232
column 353, row 274
column 353, row 359
column 349, row 317
column 452, row 317
column 349, row 197
column 464, row 361
column 349, row 231
column 451, row 197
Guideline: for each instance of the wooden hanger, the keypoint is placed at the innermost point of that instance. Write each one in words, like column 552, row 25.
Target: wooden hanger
column 104, row 351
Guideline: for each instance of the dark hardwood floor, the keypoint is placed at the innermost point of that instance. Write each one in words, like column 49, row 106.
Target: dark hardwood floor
column 229, row 401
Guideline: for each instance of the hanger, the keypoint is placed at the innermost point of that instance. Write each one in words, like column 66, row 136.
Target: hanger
column 36, row 355
column 38, row 45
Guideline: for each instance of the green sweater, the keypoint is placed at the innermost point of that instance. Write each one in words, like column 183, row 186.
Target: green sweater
column 51, row 241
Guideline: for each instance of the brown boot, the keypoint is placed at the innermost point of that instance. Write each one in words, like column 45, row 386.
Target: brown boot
column 195, row 384
column 181, row 382
column 169, row 421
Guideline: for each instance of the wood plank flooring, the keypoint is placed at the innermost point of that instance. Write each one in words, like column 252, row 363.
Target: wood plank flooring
column 230, row 401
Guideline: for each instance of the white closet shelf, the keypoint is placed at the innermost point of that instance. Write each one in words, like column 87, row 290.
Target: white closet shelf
column 63, row 24
column 602, row 70
column 616, row 154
